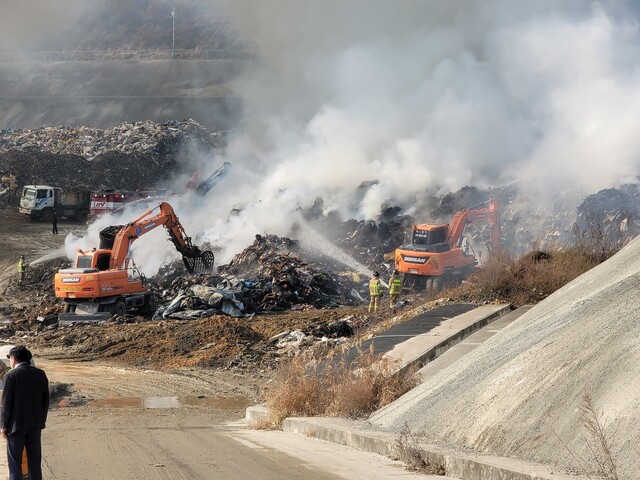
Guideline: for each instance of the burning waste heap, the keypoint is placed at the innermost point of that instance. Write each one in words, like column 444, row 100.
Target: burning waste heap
column 267, row 276
column 270, row 275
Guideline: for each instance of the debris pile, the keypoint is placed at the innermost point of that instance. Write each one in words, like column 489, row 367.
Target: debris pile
column 278, row 279
column 267, row 276
column 370, row 243
column 610, row 217
column 373, row 243
column 89, row 143
column 130, row 156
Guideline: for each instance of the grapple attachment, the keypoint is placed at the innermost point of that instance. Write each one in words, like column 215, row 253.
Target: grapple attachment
column 202, row 263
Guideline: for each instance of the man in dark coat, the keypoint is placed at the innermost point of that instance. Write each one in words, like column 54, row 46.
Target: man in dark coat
column 54, row 223
column 25, row 404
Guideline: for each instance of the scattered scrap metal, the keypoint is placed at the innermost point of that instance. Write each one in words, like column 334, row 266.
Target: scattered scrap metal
column 266, row 276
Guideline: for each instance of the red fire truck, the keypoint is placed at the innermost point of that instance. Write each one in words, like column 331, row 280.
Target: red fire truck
column 108, row 201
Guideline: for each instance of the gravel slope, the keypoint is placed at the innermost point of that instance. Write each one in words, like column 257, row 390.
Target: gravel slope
column 519, row 394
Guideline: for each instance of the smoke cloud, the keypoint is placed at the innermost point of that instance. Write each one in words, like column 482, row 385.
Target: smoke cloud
column 422, row 97
column 425, row 97
column 25, row 23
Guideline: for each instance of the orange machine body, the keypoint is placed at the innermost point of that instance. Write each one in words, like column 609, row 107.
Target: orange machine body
column 436, row 251
column 91, row 278
column 105, row 282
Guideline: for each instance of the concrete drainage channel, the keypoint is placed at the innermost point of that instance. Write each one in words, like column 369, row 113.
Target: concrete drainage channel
column 419, row 350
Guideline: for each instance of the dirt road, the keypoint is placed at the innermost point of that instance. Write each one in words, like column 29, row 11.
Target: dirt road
column 121, row 423
column 21, row 236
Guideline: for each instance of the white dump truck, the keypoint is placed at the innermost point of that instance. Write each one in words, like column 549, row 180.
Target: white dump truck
column 40, row 201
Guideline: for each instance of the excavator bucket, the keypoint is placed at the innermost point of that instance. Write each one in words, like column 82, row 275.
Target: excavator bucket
column 203, row 263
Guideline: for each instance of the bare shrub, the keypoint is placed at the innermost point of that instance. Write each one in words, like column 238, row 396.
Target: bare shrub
column 528, row 279
column 596, row 244
column 597, row 441
column 297, row 389
column 601, row 463
column 410, row 453
column 308, row 385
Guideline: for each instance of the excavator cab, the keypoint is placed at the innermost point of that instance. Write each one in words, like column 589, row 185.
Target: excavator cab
column 429, row 238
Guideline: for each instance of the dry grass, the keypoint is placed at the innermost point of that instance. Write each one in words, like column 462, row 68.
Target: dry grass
column 601, row 462
column 410, row 453
column 528, row 279
column 310, row 385
column 598, row 443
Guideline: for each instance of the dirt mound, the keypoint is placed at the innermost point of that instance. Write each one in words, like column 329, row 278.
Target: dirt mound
column 218, row 341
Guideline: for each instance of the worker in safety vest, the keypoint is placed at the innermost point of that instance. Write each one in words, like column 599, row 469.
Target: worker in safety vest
column 22, row 266
column 395, row 288
column 375, row 291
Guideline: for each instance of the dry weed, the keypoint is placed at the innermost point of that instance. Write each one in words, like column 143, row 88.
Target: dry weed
column 601, row 462
column 308, row 385
column 528, row 279
column 597, row 441
column 410, row 453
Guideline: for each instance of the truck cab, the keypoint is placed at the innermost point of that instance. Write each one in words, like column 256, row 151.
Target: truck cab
column 40, row 201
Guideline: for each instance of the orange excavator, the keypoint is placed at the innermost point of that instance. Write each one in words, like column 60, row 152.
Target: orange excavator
column 439, row 254
column 106, row 282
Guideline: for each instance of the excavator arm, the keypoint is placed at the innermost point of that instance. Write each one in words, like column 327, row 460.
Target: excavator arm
column 490, row 215
column 193, row 257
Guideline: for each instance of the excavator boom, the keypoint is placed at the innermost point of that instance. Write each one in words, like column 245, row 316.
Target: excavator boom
column 194, row 259
column 490, row 215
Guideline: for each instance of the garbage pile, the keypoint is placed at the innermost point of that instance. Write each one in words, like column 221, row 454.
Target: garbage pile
column 266, row 276
column 89, row 143
column 371, row 243
column 610, row 217
column 128, row 157
column 330, row 335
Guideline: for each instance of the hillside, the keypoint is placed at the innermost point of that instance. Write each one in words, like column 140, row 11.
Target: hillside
column 520, row 393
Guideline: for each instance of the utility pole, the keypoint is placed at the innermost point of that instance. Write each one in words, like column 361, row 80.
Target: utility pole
column 173, row 48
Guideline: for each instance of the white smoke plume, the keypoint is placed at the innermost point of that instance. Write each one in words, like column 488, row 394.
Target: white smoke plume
column 423, row 97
